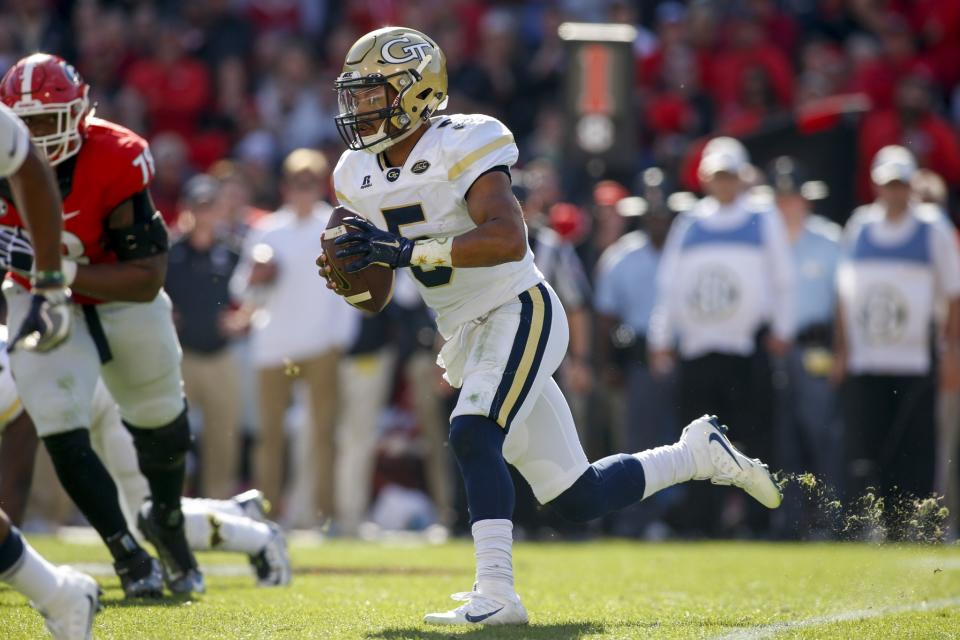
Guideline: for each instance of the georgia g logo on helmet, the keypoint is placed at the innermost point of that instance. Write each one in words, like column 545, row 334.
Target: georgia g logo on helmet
column 413, row 51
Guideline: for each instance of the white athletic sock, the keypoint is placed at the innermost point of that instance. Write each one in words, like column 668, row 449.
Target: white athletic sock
column 666, row 466
column 208, row 529
column 34, row 577
column 493, row 544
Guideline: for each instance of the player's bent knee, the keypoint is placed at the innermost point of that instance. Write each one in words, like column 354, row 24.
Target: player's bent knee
column 68, row 445
column 609, row 484
column 162, row 447
column 583, row 500
column 473, row 436
column 70, row 452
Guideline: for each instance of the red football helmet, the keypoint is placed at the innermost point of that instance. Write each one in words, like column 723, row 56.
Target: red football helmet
column 53, row 101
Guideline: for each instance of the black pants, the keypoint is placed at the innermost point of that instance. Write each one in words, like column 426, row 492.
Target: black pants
column 739, row 390
column 890, row 434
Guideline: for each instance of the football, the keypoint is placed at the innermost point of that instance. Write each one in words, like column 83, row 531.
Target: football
column 369, row 289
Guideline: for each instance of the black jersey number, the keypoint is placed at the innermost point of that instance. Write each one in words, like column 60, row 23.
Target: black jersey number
column 397, row 217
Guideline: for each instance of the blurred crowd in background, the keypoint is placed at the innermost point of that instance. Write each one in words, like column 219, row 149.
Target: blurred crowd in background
column 341, row 419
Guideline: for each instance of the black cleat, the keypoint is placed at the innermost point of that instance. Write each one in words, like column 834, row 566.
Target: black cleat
column 140, row 576
column 180, row 571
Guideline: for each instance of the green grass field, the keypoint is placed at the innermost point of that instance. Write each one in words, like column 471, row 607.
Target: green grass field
column 610, row 589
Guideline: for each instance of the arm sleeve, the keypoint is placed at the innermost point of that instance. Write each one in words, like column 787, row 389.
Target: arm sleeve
column 946, row 259
column 481, row 144
column 661, row 336
column 14, row 142
column 778, row 252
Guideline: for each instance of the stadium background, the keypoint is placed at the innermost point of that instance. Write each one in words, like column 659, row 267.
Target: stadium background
column 230, row 88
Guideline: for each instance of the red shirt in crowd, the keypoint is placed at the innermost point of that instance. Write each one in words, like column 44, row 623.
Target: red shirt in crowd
column 730, row 67
column 175, row 95
column 937, row 24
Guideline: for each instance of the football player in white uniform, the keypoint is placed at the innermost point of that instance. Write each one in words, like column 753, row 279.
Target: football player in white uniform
column 238, row 524
column 66, row 598
column 435, row 196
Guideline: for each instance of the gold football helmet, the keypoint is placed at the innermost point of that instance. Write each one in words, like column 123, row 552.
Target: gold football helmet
column 393, row 80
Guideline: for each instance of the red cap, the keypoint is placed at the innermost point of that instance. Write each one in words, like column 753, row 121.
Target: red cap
column 609, row 192
column 568, row 220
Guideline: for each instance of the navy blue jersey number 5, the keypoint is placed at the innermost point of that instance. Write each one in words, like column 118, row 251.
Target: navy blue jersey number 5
column 397, row 217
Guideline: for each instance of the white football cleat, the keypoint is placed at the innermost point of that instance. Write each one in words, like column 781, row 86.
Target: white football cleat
column 721, row 463
column 253, row 504
column 69, row 616
column 481, row 609
column 272, row 564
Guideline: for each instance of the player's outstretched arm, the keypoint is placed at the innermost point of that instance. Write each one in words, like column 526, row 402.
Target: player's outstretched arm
column 132, row 279
column 47, row 322
column 35, row 191
column 501, row 235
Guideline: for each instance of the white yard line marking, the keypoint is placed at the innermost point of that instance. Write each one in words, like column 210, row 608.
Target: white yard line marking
column 770, row 630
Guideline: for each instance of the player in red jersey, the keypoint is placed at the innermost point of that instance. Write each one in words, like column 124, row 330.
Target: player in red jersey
column 114, row 246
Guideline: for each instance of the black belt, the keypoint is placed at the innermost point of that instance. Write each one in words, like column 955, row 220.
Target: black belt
column 95, row 328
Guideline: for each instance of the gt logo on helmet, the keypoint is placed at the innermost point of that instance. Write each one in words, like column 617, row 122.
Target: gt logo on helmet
column 413, row 51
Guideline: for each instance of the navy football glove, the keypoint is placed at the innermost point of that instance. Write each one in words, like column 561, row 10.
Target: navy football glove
column 373, row 246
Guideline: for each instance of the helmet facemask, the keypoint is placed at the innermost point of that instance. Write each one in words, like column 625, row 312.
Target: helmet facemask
column 62, row 120
column 365, row 101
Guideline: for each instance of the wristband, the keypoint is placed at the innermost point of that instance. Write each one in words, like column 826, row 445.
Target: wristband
column 432, row 252
column 47, row 280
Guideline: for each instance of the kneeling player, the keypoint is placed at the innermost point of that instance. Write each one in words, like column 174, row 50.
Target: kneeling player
column 440, row 202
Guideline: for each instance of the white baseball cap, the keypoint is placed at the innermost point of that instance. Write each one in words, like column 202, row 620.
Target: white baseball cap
column 723, row 154
column 893, row 163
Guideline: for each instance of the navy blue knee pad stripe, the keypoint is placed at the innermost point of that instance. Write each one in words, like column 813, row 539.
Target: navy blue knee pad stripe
column 530, row 342
column 11, row 552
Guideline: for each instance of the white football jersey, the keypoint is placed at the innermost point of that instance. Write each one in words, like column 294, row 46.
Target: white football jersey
column 14, row 142
column 426, row 198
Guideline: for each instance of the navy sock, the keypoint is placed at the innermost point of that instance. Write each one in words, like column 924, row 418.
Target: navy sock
column 11, row 550
column 477, row 443
column 609, row 484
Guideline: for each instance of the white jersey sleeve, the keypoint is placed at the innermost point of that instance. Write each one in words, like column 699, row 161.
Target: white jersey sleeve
column 475, row 144
column 14, row 142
